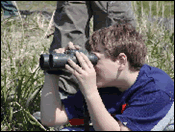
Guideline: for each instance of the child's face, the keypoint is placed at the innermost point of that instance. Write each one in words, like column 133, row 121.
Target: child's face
column 106, row 69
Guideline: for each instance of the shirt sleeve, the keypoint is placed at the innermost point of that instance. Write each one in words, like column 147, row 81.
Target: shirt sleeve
column 74, row 105
column 145, row 110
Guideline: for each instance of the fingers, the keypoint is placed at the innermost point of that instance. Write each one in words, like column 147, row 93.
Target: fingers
column 77, row 47
column 81, row 60
column 84, row 61
column 74, row 72
column 72, row 46
column 74, row 69
column 88, row 62
column 60, row 50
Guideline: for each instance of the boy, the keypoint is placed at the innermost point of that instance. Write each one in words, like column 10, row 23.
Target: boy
column 121, row 92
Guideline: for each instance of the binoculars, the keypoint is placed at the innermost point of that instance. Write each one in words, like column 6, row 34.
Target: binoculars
column 56, row 61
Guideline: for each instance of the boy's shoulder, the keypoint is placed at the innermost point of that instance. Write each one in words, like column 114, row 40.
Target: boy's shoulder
column 156, row 74
column 154, row 79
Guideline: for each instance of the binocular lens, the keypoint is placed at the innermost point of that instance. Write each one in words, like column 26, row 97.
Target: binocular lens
column 44, row 61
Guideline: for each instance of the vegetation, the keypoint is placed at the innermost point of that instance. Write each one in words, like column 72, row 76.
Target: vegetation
column 23, row 40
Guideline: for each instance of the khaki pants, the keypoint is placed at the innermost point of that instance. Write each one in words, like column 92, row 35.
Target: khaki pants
column 72, row 20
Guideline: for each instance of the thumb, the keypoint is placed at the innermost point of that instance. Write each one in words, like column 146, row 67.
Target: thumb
column 71, row 45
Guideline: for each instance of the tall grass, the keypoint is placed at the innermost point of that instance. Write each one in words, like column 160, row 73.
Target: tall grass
column 23, row 42
column 160, row 42
column 21, row 79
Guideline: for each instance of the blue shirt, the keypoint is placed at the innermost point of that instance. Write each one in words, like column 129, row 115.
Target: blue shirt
column 148, row 100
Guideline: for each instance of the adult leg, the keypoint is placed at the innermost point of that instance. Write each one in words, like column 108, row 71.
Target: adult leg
column 107, row 13
column 71, row 24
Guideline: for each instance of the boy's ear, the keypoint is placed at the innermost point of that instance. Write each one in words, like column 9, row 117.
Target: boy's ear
column 122, row 61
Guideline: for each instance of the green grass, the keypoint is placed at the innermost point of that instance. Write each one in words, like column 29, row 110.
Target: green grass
column 22, row 42
column 20, row 74
column 155, row 8
column 160, row 42
column 49, row 6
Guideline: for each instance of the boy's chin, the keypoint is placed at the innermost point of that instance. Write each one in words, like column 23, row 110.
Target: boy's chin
column 100, row 85
column 103, row 84
column 100, row 82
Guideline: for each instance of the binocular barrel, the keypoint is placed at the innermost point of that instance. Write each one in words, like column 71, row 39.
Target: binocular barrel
column 57, row 61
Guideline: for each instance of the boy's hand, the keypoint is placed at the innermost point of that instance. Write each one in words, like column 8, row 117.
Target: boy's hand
column 85, row 74
column 70, row 46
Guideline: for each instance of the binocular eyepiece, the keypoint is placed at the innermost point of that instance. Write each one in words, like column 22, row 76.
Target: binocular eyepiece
column 55, row 61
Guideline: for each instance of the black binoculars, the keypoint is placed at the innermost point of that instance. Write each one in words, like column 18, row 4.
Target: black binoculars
column 56, row 61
